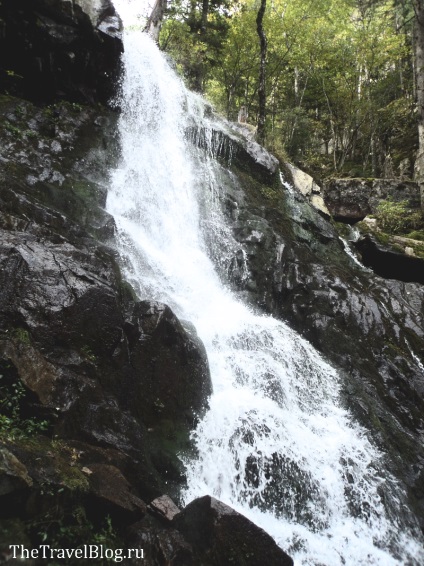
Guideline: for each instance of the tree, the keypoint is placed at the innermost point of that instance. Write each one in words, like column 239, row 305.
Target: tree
column 154, row 22
column 330, row 83
column 419, row 81
column 262, row 72
column 193, row 33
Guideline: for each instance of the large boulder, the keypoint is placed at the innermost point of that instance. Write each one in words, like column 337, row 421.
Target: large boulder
column 176, row 381
column 13, row 474
column 59, row 49
column 306, row 185
column 350, row 200
column 220, row 535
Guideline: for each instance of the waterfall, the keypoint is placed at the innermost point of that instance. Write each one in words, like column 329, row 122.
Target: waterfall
column 277, row 443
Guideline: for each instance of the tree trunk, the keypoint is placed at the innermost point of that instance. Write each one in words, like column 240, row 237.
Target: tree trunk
column 154, row 22
column 204, row 22
column 262, row 73
column 419, row 83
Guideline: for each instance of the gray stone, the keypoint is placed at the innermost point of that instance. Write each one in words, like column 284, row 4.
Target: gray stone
column 351, row 200
column 13, row 474
column 164, row 507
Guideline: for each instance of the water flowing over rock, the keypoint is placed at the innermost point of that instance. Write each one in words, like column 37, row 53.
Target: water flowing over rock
column 325, row 455
column 239, row 234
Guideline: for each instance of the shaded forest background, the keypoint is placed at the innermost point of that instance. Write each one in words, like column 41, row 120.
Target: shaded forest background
column 340, row 81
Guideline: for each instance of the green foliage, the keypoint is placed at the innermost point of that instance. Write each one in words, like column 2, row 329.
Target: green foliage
column 16, row 131
column 396, row 218
column 12, row 424
column 194, row 34
column 339, row 78
column 21, row 335
column 73, row 529
column 88, row 354
column 416, row 235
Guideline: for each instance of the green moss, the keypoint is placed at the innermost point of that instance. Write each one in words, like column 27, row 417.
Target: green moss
column 416, row 235
column 60, row 464
column 13, row 531
column 342, row 229
column 6, row 99
column 170, row 445
column 394, row 217
column 382, row 237
column 88, row 354
column 21, row 335
column 398, row 248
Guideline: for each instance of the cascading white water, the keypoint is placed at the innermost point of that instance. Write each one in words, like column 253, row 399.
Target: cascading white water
column 276, row 443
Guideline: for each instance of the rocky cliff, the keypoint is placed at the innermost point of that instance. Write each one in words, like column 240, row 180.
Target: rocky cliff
column 98, row 389
column 295, row 266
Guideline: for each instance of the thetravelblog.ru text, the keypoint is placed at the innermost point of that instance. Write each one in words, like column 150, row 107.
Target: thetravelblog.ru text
column 86, row 551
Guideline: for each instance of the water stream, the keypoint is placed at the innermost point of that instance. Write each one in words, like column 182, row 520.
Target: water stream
column 276, row 444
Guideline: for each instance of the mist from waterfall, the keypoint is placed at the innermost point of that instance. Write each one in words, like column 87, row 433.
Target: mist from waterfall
column 276, row 444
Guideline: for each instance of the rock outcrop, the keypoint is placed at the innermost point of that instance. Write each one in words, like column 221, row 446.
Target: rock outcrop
column 351, row 200
column 306, row 185
column 390, row 263
column 293, row 264
column 220, row 535
column 100, row 387
column 59, row 49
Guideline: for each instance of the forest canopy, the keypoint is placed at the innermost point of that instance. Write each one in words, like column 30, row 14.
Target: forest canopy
column 340, row 82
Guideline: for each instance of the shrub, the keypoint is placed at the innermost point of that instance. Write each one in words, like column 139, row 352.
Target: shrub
column 12, row 425
column 396, row 218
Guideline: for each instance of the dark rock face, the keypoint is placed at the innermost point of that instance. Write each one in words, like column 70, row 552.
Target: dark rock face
column 220, row 535
column 176, row 374
column 161, row 545
column 372, row 329
column 389, row 263
column 350, row 200
column 59, row 49
column 119, row 380
column 248, row 153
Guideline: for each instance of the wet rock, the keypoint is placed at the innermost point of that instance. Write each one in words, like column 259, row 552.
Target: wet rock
column 302, row 181
column 176, row 373
column 102, row 367
column 306, row 185
column 13, row 474
column 220, row 535
column 390, row 264
column 160, row 545
column 59, row 49
column 227, row 142
column 113, row 491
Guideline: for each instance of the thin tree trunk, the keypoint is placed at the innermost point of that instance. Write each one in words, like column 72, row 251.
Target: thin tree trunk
column 262, row 73
column 205, row 13
column 419, row 83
